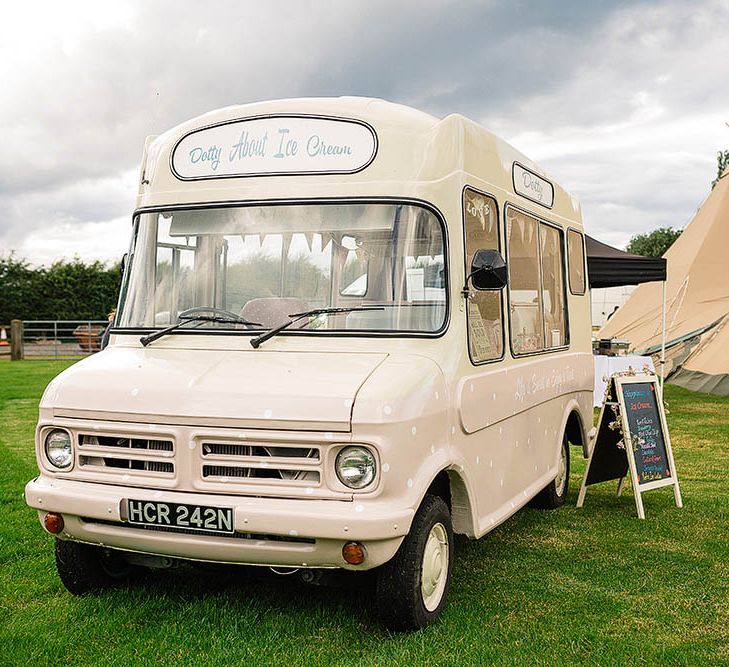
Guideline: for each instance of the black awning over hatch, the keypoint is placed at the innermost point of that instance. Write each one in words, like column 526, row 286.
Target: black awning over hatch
column 610, row 267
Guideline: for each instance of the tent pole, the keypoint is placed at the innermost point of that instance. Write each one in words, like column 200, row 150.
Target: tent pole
column 663, row 337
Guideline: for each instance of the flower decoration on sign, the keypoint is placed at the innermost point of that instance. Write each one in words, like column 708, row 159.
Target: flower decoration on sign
column 617, row 424
column 606, row 395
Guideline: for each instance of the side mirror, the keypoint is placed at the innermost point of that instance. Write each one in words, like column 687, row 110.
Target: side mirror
column 123, row 264
column 488, row 271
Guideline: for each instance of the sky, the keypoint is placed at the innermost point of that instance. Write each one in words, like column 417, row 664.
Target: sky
column 625, row 104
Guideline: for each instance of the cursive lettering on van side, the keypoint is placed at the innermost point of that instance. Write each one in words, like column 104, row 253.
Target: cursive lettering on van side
column 286, row 146
column 531, row 183
column 274, row 145
column 251, row 146
column 316, row 146
column 532, row 186
column 248, row 146
column 210, row 154
column 558, row 381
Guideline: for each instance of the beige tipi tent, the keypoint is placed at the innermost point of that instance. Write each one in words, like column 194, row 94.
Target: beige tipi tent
column 697, row 302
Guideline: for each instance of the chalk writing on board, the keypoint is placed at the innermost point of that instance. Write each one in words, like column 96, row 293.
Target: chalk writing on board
column 632, row 439
column 644, row 424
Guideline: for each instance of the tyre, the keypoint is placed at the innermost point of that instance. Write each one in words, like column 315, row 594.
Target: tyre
column 412, row 588
column 85, row 568
column 553, row 495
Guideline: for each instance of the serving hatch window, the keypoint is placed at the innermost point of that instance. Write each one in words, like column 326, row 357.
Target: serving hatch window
column 536, row 284
column 265, row 263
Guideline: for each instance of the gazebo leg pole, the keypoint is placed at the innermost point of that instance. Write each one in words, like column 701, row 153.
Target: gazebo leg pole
column 663, row 337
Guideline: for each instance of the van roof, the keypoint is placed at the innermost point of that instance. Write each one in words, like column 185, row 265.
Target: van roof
column 413, row 147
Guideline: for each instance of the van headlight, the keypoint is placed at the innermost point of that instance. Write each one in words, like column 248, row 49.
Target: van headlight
column 356, row 467
column 58, row 448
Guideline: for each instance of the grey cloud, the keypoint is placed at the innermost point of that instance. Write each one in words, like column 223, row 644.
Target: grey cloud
column 88, row 200
column 175, row 61
column 74, row 117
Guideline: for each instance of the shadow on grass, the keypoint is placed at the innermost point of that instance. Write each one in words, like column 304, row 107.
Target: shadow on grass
column 258, row 591
column 345, row 597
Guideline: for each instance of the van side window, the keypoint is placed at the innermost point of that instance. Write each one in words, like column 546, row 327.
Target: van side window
column 527, row 319
column 484, row 314
column 553, row 296
column 536, row 284
column 576, row 254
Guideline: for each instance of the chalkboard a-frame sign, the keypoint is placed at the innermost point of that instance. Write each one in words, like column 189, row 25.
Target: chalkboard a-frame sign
column 632, row 438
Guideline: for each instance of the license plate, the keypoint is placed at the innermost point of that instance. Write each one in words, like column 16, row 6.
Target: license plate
column 180, row 515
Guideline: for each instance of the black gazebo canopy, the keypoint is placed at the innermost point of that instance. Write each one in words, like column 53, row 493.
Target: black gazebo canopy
column 610, row 267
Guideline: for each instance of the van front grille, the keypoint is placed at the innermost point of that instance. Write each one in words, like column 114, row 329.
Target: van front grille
column 261, row 473
column 261, row 463
column 148, row 444
column 111, row 454
column 126, row 464
column 229, row 449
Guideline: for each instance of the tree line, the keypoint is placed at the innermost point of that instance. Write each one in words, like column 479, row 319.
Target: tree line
column 66, row 290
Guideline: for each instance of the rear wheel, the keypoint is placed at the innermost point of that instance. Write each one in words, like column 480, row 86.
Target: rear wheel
column 413, row 587
column 84, row 568
column 554, row 494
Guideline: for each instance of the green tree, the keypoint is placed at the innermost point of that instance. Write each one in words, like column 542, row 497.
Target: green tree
column 655, row 243
column 21, row 289
column 67, row 290
column 722, row 162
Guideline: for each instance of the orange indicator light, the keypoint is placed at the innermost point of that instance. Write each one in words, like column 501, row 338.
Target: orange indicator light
column 53, row 523
column 354, row 553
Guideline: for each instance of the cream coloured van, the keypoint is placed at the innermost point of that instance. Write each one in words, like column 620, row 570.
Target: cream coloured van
column 346, row 330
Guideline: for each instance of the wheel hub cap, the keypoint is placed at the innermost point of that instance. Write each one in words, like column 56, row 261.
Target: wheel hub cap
column 561, row 478
column 435, row 567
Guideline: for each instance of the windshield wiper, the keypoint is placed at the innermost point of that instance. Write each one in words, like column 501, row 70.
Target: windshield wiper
column 295, row 317
column 198, row 315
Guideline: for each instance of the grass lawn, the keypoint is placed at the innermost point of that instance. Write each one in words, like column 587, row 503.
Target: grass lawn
column 589, row 586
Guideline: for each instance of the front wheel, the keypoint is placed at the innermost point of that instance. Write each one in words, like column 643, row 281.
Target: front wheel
column 85, row 568
column 413, row 587
column 554, row 494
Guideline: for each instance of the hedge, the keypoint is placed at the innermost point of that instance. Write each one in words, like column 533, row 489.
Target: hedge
column 67, row 290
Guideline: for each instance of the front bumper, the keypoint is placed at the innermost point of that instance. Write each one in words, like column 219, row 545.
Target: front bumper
column 303, row 533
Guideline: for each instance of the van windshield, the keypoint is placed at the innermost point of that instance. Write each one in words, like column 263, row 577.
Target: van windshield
column 264, row 263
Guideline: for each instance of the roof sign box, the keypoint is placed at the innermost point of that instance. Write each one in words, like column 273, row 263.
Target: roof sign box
column 532, row 186
column 274, row 146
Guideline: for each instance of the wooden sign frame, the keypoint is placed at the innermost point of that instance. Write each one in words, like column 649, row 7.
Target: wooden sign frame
column 609, row 459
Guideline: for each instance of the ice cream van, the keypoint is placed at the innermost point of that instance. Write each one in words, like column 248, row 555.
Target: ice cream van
column 346, row 331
